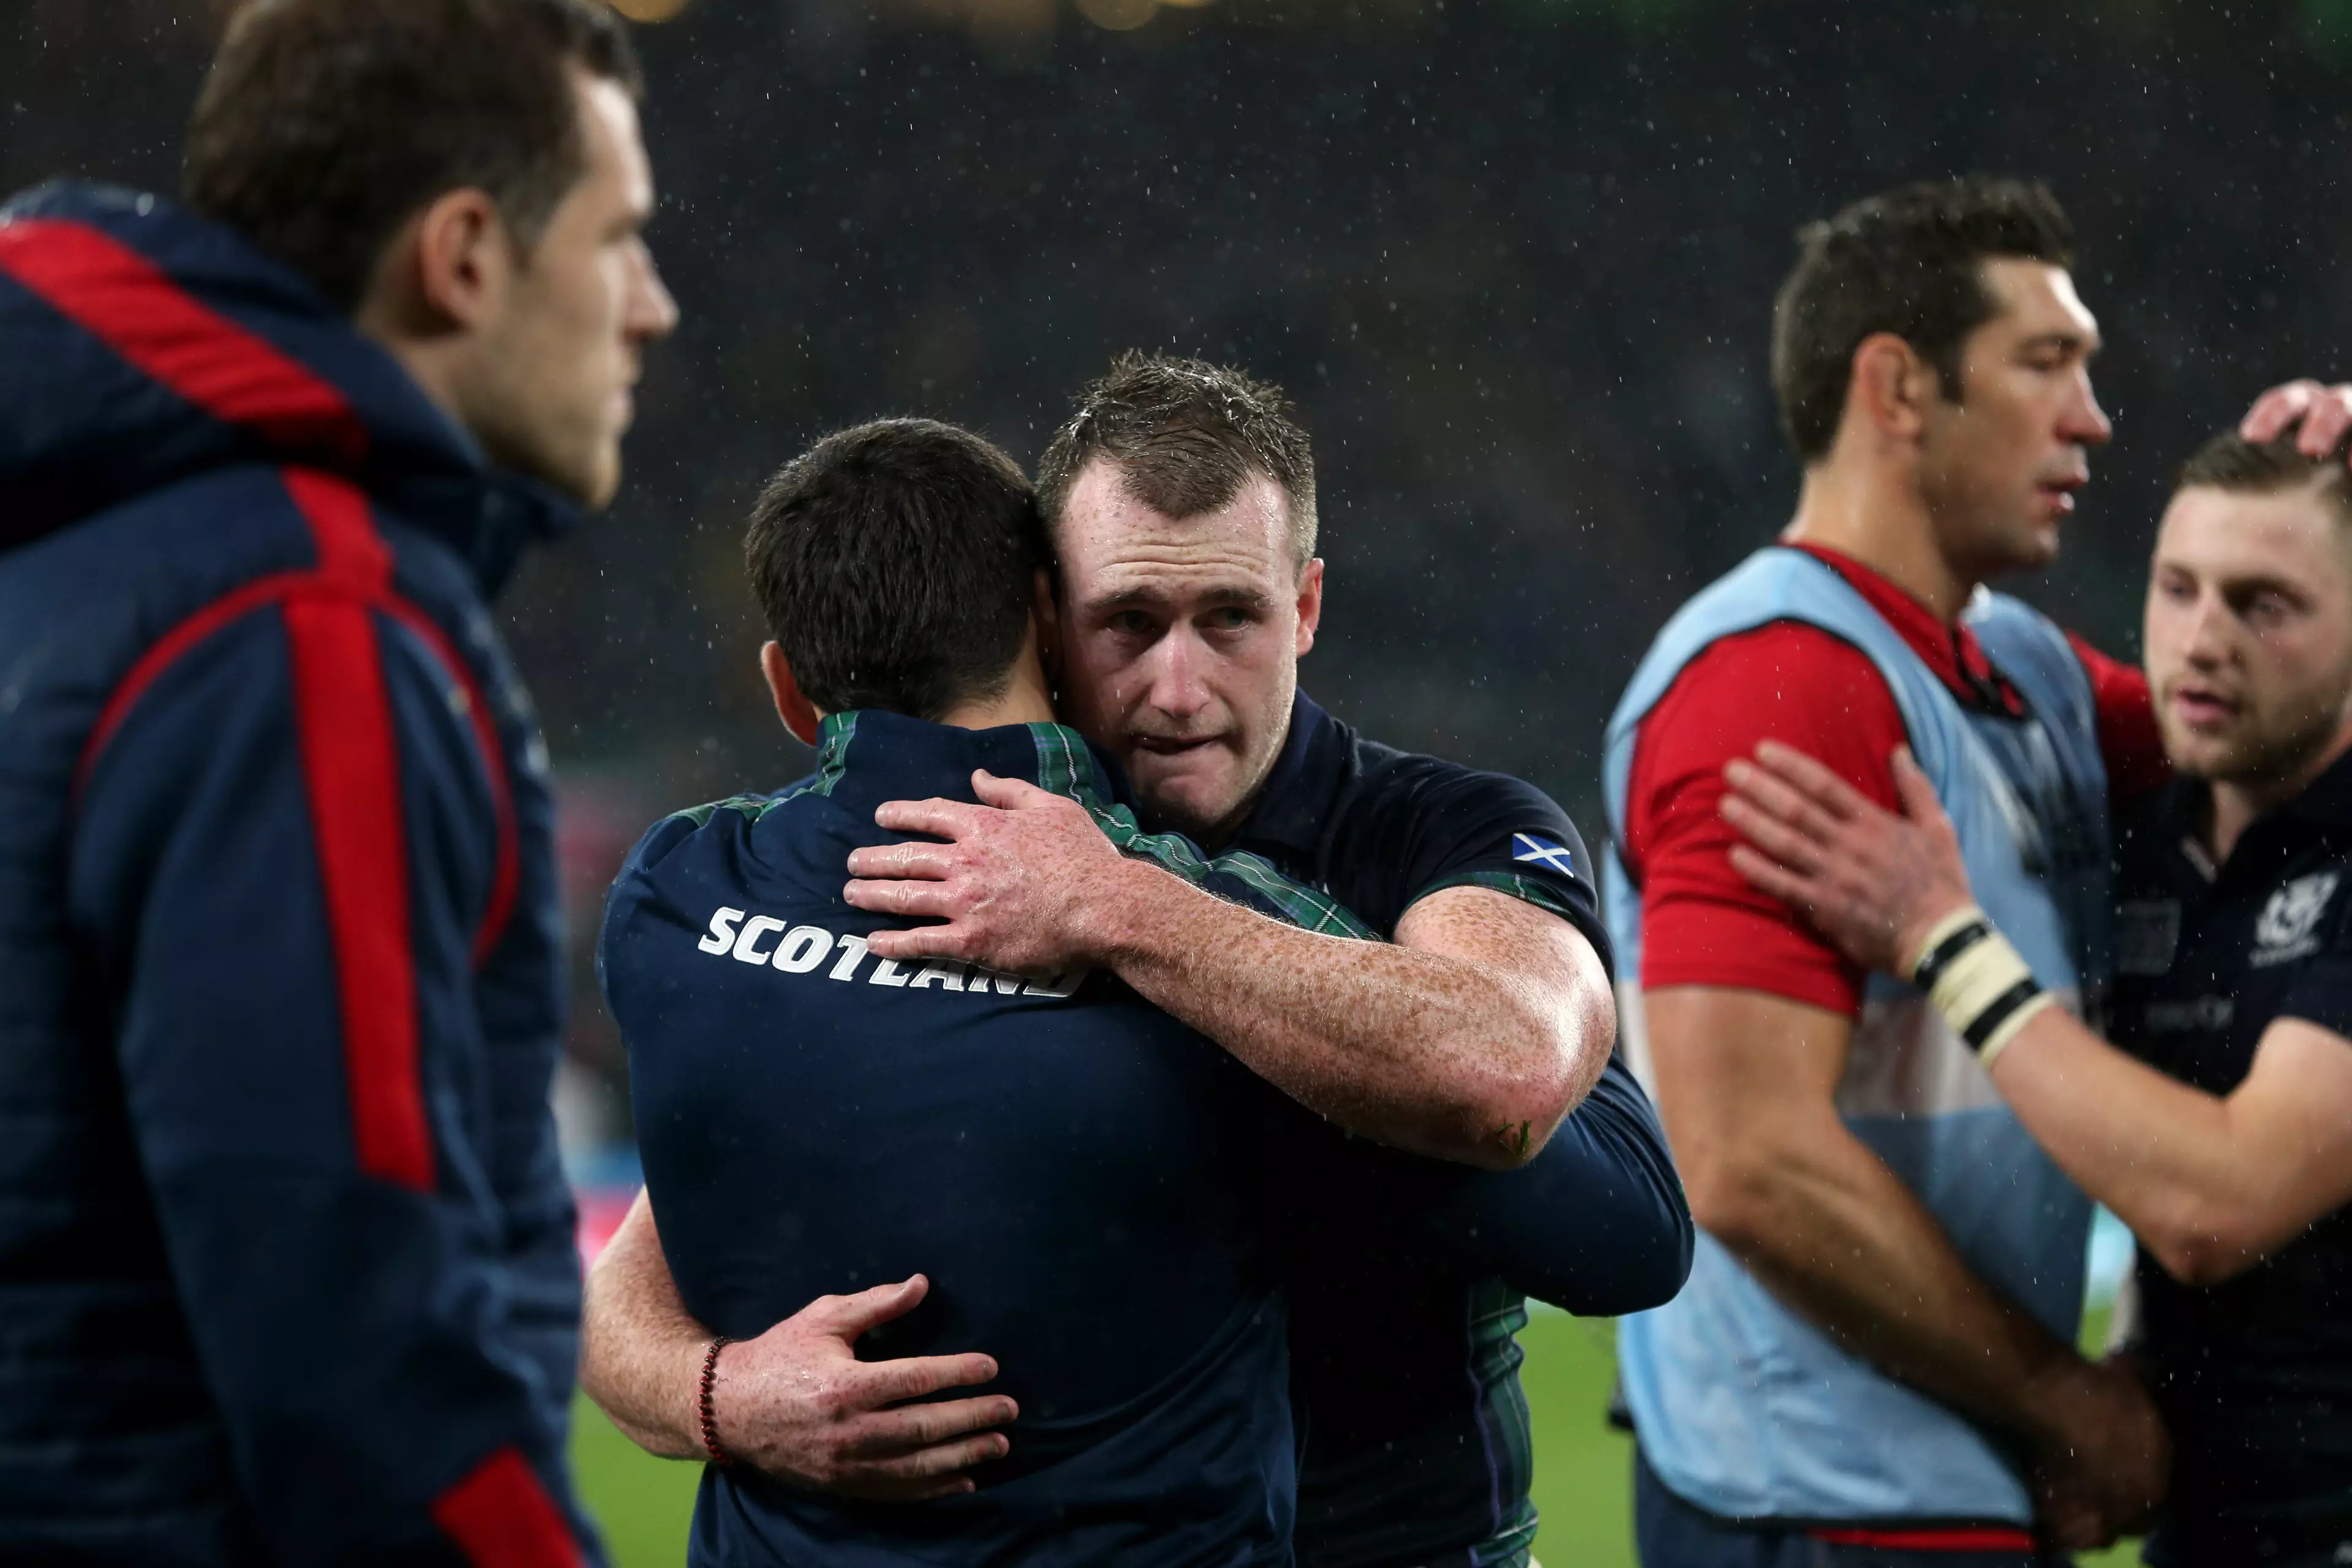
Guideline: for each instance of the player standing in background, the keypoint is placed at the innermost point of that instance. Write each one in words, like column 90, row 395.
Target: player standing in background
column 1181, row 499
column 286, row 1262
column 2229, row 1152
column 1874, row 1358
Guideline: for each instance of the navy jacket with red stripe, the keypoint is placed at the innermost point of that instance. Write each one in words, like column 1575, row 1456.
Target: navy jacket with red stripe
column 287, row 1265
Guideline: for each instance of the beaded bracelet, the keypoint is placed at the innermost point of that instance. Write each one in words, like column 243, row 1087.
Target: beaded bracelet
column 710, row 1421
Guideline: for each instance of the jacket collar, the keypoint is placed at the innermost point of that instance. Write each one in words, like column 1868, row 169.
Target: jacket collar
column 148, row 346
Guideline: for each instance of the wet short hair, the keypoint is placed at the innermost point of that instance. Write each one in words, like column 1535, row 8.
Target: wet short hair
column 1909, row 261
column 2230, row 462
column 895, row 563
column 326, row 124
column 1184, row 436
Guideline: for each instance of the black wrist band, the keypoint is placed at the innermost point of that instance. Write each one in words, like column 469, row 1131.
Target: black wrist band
column 1938, row 958
column 1987, row 1023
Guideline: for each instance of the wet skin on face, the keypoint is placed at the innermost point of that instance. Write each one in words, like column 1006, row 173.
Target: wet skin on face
column 2248, row 632
column 2001, row 463
column 561, row 359
column 1176, row 642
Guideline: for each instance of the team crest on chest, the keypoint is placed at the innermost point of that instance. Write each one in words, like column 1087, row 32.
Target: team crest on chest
column 2289, row 922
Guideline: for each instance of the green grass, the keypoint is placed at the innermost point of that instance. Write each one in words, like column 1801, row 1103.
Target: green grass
column 643, row 1503
column 1584, row 1470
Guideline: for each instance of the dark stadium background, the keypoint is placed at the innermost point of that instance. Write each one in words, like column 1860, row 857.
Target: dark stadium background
column 1515, row 259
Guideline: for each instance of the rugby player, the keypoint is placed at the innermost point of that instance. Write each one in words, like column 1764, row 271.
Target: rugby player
column 286, row 1256
column 1090, row 1182
column 1874, row 1360
column 1182, row 501
column 2219, row 1125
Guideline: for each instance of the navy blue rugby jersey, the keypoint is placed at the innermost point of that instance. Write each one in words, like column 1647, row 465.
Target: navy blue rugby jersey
column 2253, row 1375
column 1084, row 1180
column 1417, row 1449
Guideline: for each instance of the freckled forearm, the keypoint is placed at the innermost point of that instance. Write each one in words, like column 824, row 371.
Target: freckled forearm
column 1419, row 1050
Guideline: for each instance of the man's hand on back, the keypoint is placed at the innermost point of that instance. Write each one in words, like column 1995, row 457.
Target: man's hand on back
column 799, row 1405
column 1018, row 880
column 796, row 1402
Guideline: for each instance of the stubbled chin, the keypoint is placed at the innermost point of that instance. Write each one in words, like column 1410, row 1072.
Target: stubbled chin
column 1184, row 791
column 2196, row 755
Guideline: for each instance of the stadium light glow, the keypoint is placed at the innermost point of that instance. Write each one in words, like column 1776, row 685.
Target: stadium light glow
column 1119, row 15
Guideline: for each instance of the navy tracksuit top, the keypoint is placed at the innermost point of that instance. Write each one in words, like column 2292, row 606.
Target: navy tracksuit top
column 287, row 1262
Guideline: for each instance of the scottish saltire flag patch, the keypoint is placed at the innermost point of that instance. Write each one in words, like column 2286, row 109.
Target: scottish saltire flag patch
column 1538, row 850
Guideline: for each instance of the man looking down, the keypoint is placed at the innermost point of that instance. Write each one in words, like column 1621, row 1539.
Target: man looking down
column 2219, row 1124
column 1181, row 503
column 1101, row 1195
column 1874, row 1360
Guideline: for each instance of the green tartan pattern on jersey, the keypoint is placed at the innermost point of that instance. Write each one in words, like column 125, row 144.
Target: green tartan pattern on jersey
column 1066, row 767
column 833, row 753
column 1527, row 890
column 832, row 748
column 1497, row 1313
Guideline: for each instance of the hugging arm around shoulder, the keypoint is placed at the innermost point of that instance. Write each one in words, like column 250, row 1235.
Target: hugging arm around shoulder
column 1596, row 1224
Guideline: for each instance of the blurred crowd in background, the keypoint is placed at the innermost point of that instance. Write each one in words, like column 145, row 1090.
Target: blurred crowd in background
column 1514, row 258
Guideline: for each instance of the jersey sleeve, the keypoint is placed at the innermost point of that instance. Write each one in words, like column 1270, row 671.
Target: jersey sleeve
column 2128, row 738
column 1596, row 1224
column 2321, row 991
column 279, row 855
column 1434, row 826
column 1702, row 922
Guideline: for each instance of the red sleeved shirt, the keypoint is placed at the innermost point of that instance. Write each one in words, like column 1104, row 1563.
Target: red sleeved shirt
column 1702, row 922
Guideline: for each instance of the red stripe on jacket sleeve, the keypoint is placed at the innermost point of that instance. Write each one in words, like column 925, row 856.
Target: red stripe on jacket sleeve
column 500, row 1517
column 131, row 305
column 507, row 874
column 342, row 713
column 167, row 650
column 350, row 767
column 352, row 554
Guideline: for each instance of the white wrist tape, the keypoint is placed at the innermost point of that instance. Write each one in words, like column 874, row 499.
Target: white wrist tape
column 1979, row 984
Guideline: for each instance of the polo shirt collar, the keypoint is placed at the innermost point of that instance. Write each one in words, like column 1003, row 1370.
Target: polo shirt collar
column 866, row 756
column 1952, row 651
column 2326, row 802
column 1294, row 802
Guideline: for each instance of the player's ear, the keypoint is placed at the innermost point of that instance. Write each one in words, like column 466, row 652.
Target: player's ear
column 1046, row 616
column 448, row 269
column 798, row 714
column 1892, row 386
column 1311, row 602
